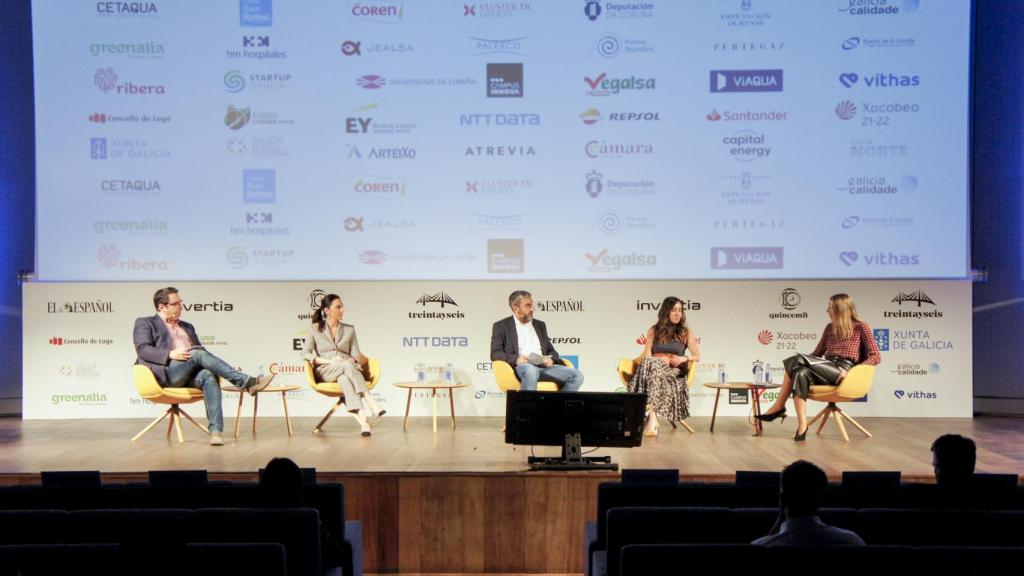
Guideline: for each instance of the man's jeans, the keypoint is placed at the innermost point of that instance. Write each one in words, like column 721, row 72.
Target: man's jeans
column 201, row 371
column 570, row 378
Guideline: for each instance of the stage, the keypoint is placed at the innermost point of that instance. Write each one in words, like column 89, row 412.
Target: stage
column 477, row 447
column 462, row 501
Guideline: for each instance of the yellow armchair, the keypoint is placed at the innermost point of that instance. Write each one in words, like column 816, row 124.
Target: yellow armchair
column 507, row 380
column 854, row 387
column 371, row 373
column 150, row 389
column 627, row 367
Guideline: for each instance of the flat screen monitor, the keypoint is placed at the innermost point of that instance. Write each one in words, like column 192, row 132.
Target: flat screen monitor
column 602, row 419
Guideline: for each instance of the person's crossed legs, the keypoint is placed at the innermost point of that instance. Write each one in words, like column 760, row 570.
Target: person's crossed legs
column 529, row 374
column 203, row 370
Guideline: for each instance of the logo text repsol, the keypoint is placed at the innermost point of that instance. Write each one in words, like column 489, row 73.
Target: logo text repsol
column 435, row 342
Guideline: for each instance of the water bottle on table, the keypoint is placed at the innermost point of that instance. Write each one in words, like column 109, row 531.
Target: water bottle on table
column 421, row 373
column 448, row 373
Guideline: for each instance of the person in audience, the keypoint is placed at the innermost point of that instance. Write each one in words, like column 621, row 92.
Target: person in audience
column 801, row 491
column 662, row 372
column 845, row 342
column 170, row 348
column 523, row 342
column 281, row 487
column 954, row 457
column 333, row 349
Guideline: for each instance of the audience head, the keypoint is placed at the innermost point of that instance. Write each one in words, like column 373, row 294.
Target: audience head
column 802, row 489
column 281, row 485
column 326, row 304
column 671, row 324
column 953, row 457
column 521, row 303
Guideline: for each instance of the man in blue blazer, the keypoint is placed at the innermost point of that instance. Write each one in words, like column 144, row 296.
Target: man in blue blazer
column 523, row 342
column 171, row 349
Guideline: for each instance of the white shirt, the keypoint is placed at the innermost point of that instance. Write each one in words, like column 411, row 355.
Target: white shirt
column 529, row 343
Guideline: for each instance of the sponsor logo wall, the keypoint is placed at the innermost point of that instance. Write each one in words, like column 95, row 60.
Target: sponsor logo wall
column 78, row 350
column 501, row 139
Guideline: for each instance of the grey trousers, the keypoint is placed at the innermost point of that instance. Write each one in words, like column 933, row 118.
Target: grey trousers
column 349, row 379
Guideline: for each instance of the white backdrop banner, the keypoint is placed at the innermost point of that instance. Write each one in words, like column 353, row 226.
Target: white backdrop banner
column 78, row 347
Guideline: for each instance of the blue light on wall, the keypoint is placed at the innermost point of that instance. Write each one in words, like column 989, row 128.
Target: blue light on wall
column 17, row 189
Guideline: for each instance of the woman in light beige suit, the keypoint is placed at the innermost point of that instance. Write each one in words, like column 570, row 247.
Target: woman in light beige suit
column 334, row 351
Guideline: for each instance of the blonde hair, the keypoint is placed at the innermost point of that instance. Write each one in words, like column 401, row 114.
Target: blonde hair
column 845, row 313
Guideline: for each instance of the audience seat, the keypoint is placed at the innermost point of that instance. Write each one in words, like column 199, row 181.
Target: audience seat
column 118, row 560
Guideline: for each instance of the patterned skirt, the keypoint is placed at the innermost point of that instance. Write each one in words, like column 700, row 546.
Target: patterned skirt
column 665, row 387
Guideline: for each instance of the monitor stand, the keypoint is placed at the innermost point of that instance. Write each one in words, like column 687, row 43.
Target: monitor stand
column 572, row 458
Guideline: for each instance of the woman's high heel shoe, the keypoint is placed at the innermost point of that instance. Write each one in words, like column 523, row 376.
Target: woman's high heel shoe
column 773, row 415
column 800, row 436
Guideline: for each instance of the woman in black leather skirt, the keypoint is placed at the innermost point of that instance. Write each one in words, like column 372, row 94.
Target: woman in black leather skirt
column 845, row 342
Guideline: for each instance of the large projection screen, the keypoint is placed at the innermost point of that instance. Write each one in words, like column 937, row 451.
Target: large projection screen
column 558, row 140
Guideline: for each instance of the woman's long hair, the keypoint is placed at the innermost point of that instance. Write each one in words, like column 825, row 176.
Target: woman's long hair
column 320, row 314
column 665, row 331
column 845, row 313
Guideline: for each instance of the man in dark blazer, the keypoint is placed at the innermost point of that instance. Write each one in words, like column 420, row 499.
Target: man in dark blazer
column 171, row 349
column 523, row 342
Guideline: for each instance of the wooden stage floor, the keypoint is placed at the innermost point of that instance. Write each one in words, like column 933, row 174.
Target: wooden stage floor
column 477, row 447
column 462, row 501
